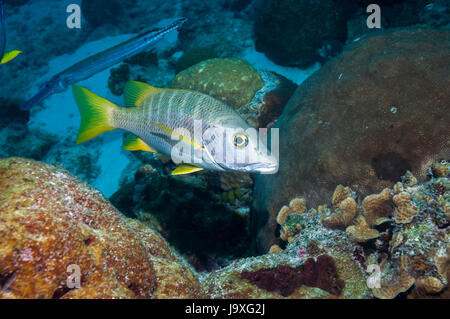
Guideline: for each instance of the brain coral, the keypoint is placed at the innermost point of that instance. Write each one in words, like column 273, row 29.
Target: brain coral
column 50, row 220
column 346, row 124
column 231, row 80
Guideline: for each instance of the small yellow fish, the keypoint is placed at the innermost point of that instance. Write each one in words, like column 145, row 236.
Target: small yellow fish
column 8, row 56
column 196, row 130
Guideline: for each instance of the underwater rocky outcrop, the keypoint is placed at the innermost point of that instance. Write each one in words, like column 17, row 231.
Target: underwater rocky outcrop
column 195, row 213
column 363, row 120
column 291, row 32
column 52, row 224
column 51, row 220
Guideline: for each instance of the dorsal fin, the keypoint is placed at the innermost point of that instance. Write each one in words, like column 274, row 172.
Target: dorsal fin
column 135, row 92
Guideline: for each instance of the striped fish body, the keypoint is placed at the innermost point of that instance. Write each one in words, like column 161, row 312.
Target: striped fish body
column 175, row 109
column 189, row 126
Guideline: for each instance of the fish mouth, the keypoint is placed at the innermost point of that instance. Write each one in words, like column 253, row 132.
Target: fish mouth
column 263, row 168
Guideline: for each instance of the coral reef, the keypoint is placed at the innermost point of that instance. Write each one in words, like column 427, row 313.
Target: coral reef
column 400, row 282
column 17, row 139
column 412, row 254
column 304, row 269
column 291, row 32
column 339, row 128
column 197, row 221
column 51, row 220
column 346, row 213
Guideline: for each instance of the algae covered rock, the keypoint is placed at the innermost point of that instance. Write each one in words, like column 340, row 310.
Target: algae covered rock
column 53, row 225
column 230, row 80
column 363, row 120
column 316, row 263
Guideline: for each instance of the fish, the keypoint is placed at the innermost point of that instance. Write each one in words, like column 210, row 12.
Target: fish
column 196, row 130
column 5, row 56
column 99, row 62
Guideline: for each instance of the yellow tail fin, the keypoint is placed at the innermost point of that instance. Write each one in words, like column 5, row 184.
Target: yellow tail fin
column 96, row 113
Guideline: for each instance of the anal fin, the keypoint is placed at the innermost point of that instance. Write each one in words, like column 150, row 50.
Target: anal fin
column 134, row 143
column 186, row 169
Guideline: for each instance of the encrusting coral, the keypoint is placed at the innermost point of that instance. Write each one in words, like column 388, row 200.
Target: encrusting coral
column 400, row 282
column 405, row 210
column 343, row 218
column 51, row 220
column 296, row 206
column 361, row 232
column 340, row 193
column 407, row 228
column 377, row 207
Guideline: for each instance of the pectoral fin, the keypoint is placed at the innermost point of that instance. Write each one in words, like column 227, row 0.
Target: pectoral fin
column 8, row 56
column 134, row 143
column 186, row 169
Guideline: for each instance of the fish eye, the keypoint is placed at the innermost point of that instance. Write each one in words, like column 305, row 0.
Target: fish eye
column 240, row 140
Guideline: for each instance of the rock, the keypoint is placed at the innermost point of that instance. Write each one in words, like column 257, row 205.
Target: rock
column 51, row 220
column 290, row 32
column 193, row 218
column 98, row 12
column 17, row 140
column 268, row 103
column 230, row 80
column 79, row 160
column 228, row 32
column 117, row 79
column 10, row 112
column 363, row 120
column 317, row 263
